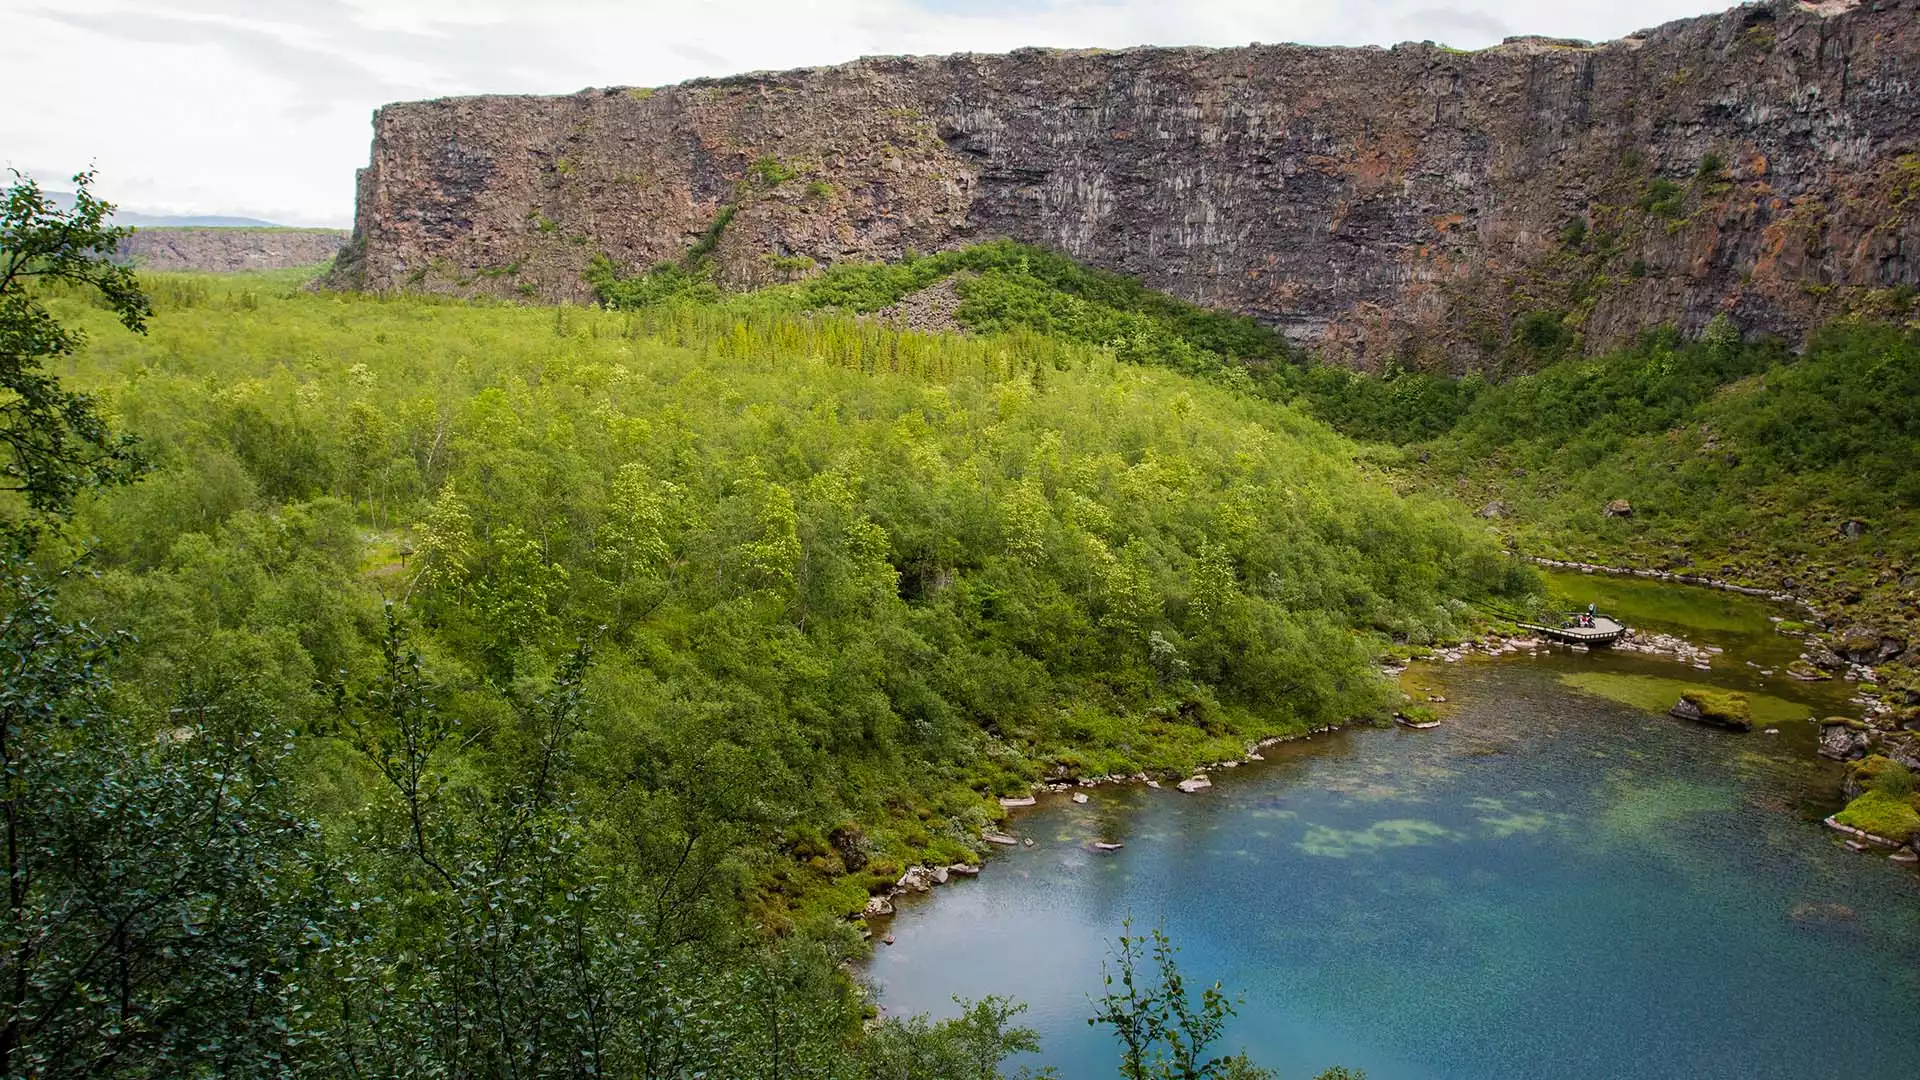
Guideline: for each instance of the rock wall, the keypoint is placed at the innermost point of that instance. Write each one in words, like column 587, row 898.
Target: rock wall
column 223, row 250
column 1417, row 204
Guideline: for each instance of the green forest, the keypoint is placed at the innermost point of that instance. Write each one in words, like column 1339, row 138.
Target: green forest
column 411, row 687
column 1740, row 457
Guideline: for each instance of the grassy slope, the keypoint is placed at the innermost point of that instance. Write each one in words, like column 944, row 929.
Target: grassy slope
column 848, row 583
column 1741, row 462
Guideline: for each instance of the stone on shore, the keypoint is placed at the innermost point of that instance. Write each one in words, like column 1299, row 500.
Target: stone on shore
column 1000, row 838
column 1012, row 801
column 1841, row 743
column 1194, row 783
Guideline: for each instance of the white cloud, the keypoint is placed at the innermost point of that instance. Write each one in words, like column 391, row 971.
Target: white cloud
column 261, row 107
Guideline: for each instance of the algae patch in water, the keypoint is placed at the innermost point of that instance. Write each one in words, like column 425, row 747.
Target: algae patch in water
column 1656, row 694
column 1644, row 811
column 1692, row 607
column 1332, row 843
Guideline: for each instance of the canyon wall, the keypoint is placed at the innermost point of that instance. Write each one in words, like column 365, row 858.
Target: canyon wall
column 1417, row 205
column 227, row 249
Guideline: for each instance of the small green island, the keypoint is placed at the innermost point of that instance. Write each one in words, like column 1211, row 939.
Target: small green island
column 1727, row 709
column 1885, row 807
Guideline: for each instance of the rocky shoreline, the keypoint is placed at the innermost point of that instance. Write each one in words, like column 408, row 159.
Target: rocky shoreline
column 1842, row 739
column 922, row 879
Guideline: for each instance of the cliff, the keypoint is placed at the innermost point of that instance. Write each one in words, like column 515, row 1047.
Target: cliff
column 1434, row 207
column 223, row 250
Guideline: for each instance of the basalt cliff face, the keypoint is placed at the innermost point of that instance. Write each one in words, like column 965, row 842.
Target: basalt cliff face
column 228, row 249
column 1418, row 205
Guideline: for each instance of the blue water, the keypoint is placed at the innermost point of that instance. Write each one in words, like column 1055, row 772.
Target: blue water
column 1550, row 885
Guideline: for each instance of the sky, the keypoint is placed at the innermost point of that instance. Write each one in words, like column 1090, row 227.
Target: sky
column 262, row 108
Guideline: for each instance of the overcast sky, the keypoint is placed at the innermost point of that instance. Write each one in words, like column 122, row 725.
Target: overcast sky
column 260, row 108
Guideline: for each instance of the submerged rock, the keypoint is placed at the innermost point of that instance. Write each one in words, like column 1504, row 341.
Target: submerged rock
column 1820, row 912
column 1194, row 783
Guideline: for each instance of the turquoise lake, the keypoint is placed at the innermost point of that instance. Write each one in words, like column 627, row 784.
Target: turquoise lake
column 1552, row 884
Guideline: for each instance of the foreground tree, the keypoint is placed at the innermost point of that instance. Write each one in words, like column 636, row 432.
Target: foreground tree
column 1163, row 1031
column 56, row 441
column 158, row 881
column 157, row 886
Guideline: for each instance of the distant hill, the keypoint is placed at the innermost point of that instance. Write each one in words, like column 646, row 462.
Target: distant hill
column 227, row 249
column 191, row 221
column 64, row 200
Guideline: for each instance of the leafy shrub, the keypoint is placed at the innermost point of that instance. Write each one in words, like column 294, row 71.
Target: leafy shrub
column 769, row 172
column 1664, row 198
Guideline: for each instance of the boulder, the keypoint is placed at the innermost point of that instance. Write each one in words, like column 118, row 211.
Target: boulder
column 1011, row 802
column 1825, row 658
column 964, row 870
column 1727, row 710
column 1842, row 743
column 1079, row 796
column 1194, row 783
column 916, row 879
column 878, row 906
column 1495, row 509
column 1865, row 645
column 1000, row 838
column 1853, row 529
column 1619, row 508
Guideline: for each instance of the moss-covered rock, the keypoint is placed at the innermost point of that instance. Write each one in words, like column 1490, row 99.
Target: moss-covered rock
column 1891, row 817
column 1720, row 708
column 1862, row 774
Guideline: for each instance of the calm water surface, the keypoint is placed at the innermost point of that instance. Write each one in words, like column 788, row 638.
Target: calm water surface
column 1554, row 884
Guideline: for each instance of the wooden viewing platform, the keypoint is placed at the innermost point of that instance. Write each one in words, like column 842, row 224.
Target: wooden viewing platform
column 1606, row 630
